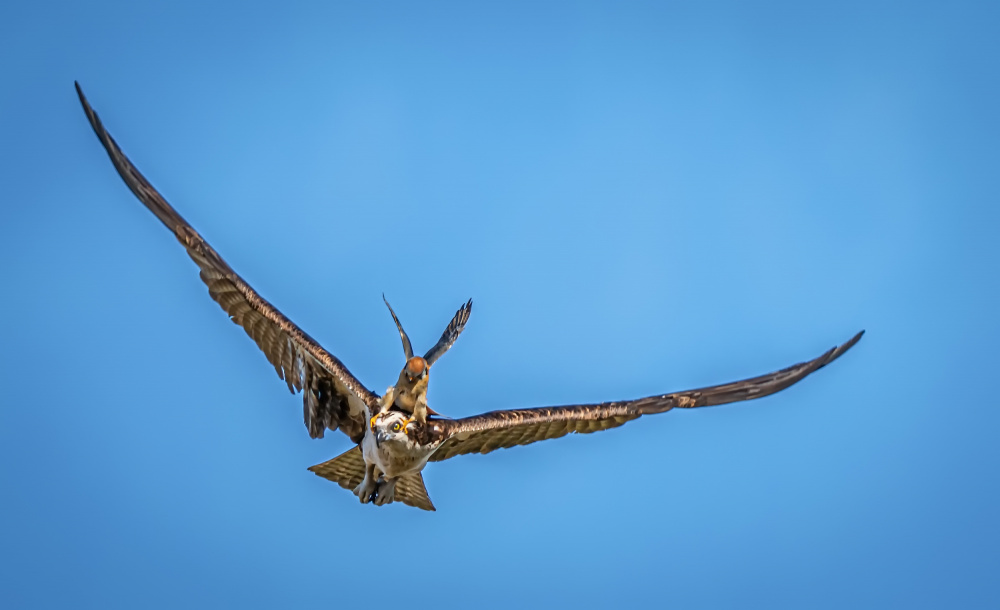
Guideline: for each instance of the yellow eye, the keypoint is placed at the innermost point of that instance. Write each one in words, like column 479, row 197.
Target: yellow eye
column 396, row 426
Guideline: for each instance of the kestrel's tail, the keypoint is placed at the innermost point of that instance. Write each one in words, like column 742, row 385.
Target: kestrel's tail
column 348, row 469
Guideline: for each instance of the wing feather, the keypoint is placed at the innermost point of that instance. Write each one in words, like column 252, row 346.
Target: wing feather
column 450, row 334
column 337, row 398
column 502, row 429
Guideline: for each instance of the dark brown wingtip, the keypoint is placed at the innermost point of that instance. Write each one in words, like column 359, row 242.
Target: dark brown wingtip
column 830, row 355
column 95, row 122
column 838, row 351
column 110, row 146
column 91, row 115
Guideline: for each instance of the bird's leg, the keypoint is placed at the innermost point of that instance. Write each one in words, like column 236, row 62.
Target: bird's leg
column 386, row 401
column 367, row 488
column 386, row 491
column 420, row 409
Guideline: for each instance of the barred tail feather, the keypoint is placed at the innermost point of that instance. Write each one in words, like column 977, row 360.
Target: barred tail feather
column 348, row 470
column 410, row 490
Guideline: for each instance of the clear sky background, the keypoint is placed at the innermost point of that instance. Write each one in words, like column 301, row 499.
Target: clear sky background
column 639, row 198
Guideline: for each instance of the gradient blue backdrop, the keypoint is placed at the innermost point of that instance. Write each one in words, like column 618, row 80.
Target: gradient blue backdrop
column 639, row 197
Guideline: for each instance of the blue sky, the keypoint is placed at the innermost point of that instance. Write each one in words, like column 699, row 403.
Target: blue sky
column 638, row 198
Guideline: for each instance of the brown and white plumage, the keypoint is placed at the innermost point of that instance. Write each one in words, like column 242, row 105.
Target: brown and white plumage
column 395, row 436
column 508, row 428
column 332, row 397
column 441, row 439
column 348, row 470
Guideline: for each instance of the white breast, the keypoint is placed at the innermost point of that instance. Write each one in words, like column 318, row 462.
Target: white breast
column 392, row 464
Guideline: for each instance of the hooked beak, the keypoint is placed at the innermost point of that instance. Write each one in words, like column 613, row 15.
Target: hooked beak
column 379, row 434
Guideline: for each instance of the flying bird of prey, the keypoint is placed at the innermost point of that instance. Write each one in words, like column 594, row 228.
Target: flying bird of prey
column 397, row 434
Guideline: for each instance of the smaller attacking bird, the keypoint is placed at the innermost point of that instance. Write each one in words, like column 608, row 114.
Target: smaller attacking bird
column 410, row 391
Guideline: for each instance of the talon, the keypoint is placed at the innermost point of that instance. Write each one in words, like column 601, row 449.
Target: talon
column 386, row 492
column 365, row 491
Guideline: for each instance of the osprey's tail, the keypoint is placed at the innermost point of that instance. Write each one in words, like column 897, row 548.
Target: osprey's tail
column 348, row 470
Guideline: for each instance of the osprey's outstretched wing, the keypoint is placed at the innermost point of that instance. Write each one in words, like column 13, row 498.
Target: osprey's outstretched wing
column 450, row 334
column 501, row 429
column 332, row 397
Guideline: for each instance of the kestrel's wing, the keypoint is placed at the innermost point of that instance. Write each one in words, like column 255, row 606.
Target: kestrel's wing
column 333, row 398
column 501, row 429
column 450, row 334
column 407, row 348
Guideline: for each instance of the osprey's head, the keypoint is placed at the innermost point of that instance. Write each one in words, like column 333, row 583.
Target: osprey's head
column 401, row 434
column 390, row 428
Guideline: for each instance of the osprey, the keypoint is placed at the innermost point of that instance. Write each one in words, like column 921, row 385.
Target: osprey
column 397, row 434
